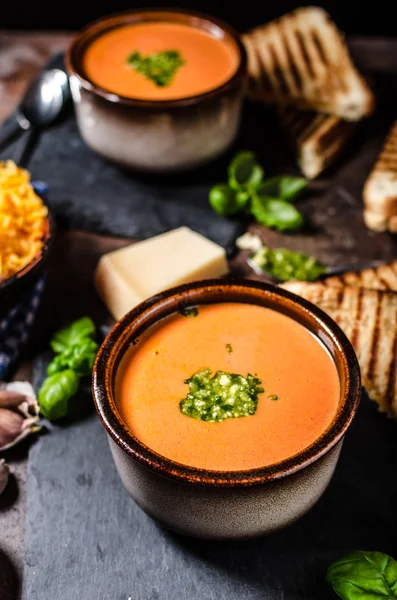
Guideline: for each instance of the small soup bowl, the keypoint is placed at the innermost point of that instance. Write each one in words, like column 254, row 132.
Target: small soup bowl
column 220, row 504
column 157, row 135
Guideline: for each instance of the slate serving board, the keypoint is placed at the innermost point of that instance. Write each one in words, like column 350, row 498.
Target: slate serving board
column 86, row 538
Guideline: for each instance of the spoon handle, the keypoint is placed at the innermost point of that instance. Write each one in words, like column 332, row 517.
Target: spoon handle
column 9, row 132
column 24, row 150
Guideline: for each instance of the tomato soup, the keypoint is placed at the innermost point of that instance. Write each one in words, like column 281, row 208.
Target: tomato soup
column 299, row 378
column 208, row 62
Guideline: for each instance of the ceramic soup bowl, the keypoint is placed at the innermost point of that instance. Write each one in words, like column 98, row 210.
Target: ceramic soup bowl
column 157, row 135
column 220, row 504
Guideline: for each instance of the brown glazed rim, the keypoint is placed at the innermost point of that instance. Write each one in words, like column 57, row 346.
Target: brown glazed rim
column 195, row 19
column 40, row 257
column 208, row 292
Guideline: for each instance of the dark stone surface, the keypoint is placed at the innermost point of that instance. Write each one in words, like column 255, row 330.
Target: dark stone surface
column 8, row 577
column 359, row 508
column 85, row 537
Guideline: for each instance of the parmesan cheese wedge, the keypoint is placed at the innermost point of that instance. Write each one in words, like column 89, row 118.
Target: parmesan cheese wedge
column 127, row 277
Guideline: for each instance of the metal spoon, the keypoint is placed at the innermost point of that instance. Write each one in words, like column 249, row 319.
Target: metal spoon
column 41, row 106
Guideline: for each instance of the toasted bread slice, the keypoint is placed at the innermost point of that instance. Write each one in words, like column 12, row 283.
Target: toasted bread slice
column 383, row 278
column 318, row 138
column 369, row 319
column 380, row 190
column 301, row 59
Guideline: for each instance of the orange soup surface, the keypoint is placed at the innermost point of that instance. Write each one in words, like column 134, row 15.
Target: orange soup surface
column 208, row 61
column 290, row 362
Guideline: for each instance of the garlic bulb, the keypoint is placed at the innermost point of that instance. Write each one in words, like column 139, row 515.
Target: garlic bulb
column 4, row 473
column 19, row 413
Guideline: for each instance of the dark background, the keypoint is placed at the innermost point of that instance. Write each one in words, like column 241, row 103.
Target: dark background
column 374, row 17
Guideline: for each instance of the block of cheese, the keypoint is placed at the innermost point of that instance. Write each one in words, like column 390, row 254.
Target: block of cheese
column 126, row 277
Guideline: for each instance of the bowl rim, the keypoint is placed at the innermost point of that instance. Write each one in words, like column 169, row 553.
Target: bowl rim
column 168, row 302
column 40, row 257
column 75, row 68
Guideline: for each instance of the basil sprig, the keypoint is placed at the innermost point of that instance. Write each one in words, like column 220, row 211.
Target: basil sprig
column 75, row 350
column 268, row 200
column 159, row 67
column 363, row 575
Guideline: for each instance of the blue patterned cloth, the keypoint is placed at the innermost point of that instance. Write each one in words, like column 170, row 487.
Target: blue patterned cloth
column 16, row 326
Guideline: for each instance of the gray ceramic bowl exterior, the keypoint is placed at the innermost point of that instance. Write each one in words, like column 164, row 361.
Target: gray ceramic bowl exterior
column 224, row 513
column 159, row 141
column 157, row 136
column 216, row 504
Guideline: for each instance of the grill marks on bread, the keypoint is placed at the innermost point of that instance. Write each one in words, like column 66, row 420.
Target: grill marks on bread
column 380, row 190
column 301, row 59
column 369, row 319
column 383, row 278
column 317, row 138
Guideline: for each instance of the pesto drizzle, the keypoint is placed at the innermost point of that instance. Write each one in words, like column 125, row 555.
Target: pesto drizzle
column 223, row 396
column 286, row 264
column 159, row 67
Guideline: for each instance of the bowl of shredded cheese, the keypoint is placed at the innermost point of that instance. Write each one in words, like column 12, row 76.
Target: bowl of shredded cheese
column 26, row 233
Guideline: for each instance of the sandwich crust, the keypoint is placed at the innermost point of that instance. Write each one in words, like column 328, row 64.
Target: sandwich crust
column 317, row 138
column 369, row 319
column 301, row 59
column 380, row 190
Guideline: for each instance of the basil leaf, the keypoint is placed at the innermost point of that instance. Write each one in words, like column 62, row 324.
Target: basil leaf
column 244, row 171
column 276, row 213
column 56, row 365
column 82, row 357
column 284, row 187
column 224, row 200
column 242, row 199
column 364, row 575
column 291, row 187
column 79, row 357
column 55, row 393
column 269, row 188
column 256, row 177
column 72, row 334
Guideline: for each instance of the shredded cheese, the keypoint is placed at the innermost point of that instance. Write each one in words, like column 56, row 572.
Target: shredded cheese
column 23, row 220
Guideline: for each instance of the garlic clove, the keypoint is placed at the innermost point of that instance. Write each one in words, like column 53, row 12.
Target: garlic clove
column 249, row 241
column 4, row 474
column 19, row 413
column 11, row 426
column 9, row 399
column 9, row 392
column 14, row 427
